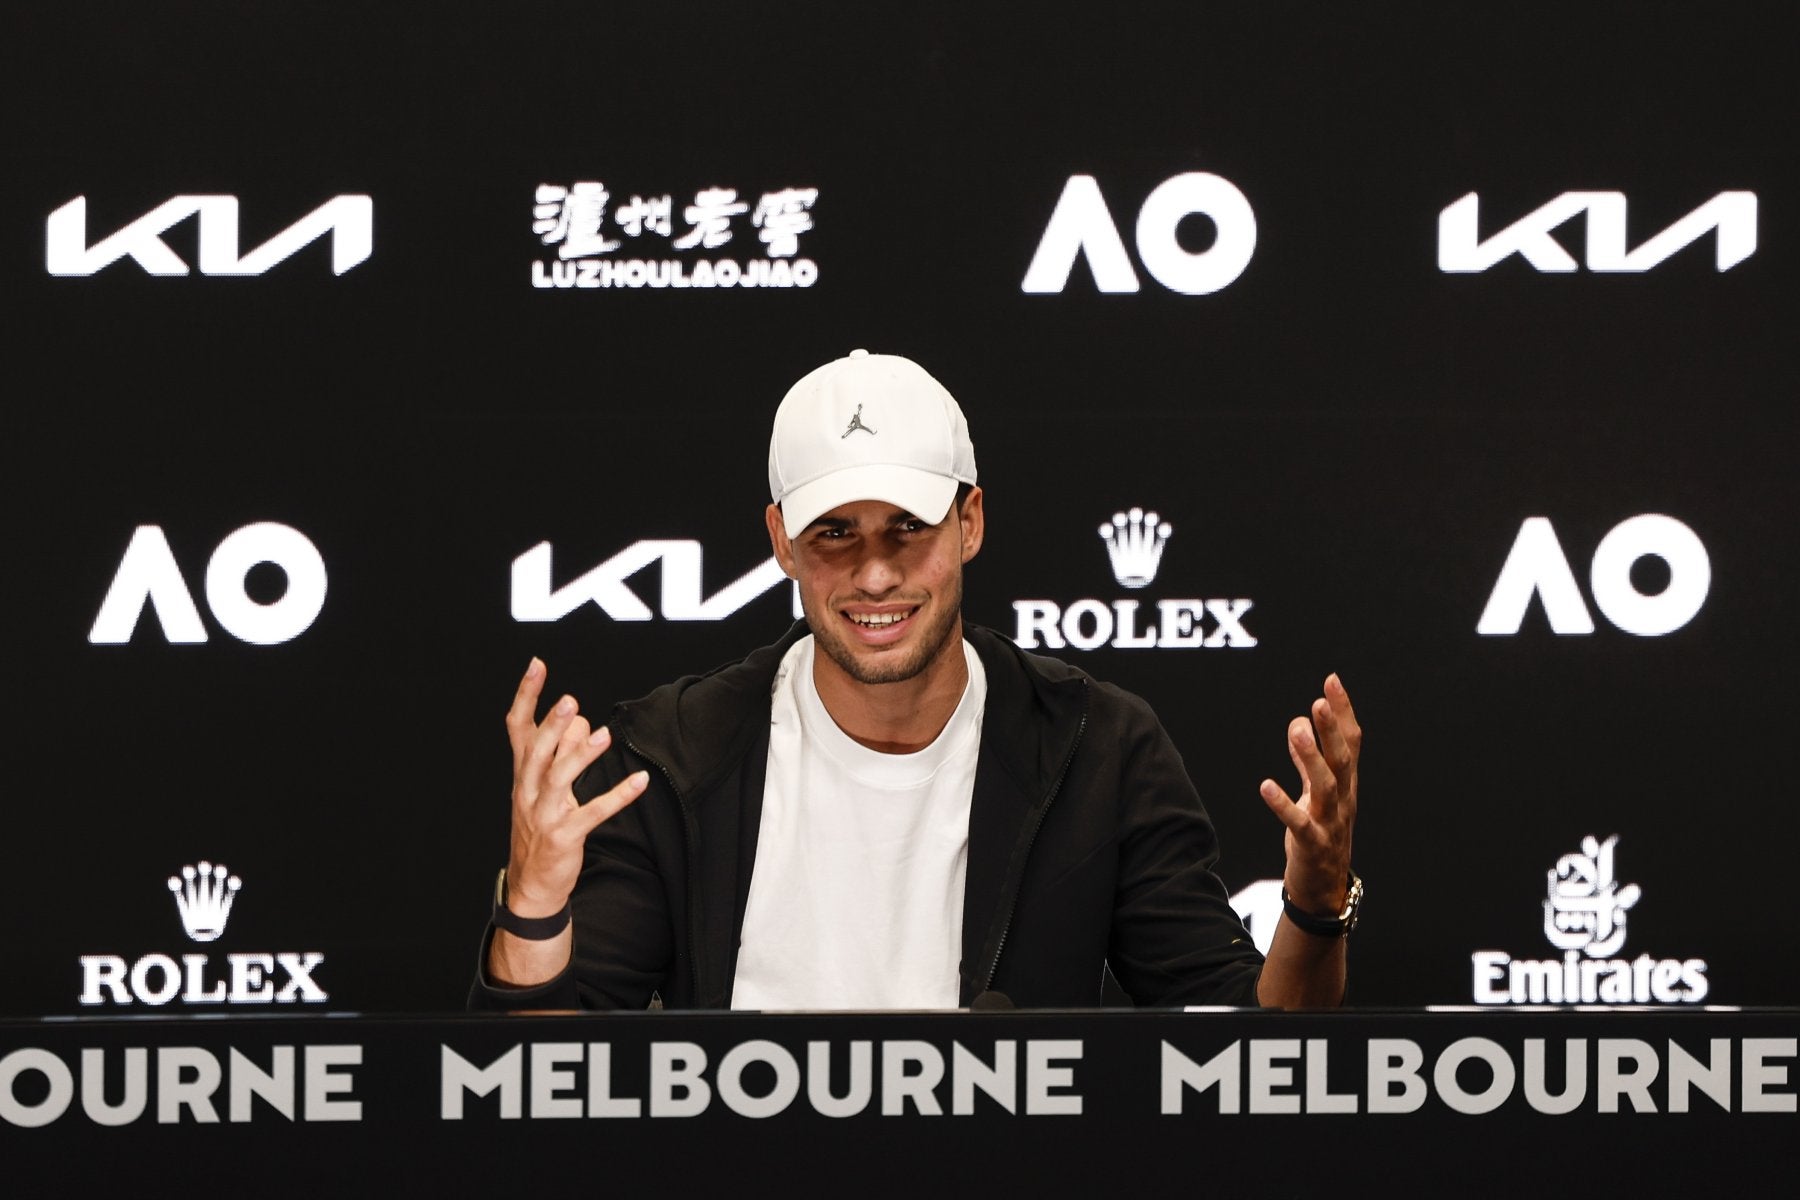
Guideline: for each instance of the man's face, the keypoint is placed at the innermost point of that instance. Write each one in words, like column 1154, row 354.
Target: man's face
column 881, row 589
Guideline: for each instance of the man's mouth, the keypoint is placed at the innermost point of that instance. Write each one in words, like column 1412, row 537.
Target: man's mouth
column 880, row 620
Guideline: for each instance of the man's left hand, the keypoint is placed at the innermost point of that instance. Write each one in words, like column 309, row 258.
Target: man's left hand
column 1319, row 824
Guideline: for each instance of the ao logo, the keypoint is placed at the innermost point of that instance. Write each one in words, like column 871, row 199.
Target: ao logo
column 1082, row 224
column 1537, row 565
column 148, row 572
column 348, row 219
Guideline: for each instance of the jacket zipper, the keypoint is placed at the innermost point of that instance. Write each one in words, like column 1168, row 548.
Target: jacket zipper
column 690, row 836
column 1031, row 839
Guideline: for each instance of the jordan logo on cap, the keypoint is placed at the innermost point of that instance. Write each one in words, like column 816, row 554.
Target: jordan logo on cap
column 855, row 424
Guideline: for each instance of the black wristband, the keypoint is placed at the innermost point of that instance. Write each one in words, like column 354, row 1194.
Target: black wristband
column 1327, row 927
column 532, row 929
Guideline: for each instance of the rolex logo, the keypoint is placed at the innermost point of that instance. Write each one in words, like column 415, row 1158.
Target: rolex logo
column 203, row 896
column 1134, row 540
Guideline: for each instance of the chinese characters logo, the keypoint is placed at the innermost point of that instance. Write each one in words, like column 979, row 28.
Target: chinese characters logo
column 634, row 243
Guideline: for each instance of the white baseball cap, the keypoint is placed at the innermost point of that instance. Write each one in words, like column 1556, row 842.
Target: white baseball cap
column 868, row 427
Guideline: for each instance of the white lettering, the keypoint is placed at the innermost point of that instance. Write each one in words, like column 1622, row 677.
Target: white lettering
column 1181, row 623
column 1611, row 1080
column 249, row 978
column 459, row 1075
column 681, row 600
column 93, row 1087
column 147, row 572
column 1265, row 1076
column 1219, row 264
column 1033, row 619
column 1490, row 969
column 1319, row 1096
column 678, row 1065
column 140, row 979
column 283, row 619
column 1443, row 1076
column 1041, row 1076
column 1460, row 249
column 56, row 1099
column 1090, row 624
column 898, row 1085
column 999, row 1081
column 1690, row 575
column 175, row 1092
column 1128, row 636
column 731, row 1079
column 194, row 969
column 601, row 1101
column 1535, row 564
column 1713, row 1078
column 1179, row 1071
column 103, row 971
column 275, row 1086
column 548, row 1078
column 1537, row 1093
column 350, row 220
column 818, row 1080
column 323, row 1083
column 1230, row 632
column 1081, row 224
column 300, row 985
column 1083, row 639
column 1758, row 1075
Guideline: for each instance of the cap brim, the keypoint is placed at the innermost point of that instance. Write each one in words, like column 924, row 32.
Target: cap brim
column 924, row 494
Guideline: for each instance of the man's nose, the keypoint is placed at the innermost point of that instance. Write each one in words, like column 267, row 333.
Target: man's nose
column 876, row 571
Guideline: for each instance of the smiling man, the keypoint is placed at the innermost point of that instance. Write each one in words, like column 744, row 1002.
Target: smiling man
column 888, row 809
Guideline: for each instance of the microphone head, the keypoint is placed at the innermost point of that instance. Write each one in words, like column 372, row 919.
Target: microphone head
column 992, row 1002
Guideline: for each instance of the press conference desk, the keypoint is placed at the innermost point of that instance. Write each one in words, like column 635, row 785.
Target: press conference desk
column 1460, row 1102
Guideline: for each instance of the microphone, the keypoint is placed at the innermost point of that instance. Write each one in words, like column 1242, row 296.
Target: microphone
column 991, row 1001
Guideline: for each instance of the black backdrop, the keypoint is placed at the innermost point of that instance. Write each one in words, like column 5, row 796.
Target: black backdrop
column 1345, row 434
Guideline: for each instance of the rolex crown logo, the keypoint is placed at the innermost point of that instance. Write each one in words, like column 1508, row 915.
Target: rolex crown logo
column 1134, row 540
column 203, row 896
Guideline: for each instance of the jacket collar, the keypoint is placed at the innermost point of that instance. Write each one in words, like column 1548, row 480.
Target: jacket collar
column 699, row 726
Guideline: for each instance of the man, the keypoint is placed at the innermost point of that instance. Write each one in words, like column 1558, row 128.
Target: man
column 885, row 809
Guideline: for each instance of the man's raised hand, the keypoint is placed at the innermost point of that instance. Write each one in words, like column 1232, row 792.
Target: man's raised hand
column 1320, row 823
column 549, row 827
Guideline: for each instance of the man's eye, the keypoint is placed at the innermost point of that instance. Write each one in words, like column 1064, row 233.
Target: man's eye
column 913, row 526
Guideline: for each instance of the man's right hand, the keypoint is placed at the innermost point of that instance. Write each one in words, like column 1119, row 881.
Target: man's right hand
column 549, row 826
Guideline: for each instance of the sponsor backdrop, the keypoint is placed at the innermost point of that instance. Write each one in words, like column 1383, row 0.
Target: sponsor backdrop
column 357, row 355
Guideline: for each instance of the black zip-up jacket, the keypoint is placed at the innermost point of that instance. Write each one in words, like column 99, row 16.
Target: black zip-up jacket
column 1088, row 846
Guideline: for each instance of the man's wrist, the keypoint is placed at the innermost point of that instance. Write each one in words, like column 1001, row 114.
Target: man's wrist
column 1315, row 901
column 1337, row 922
column 520, row 899
column 532, row 921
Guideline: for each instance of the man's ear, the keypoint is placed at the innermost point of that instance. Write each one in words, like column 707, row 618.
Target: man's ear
column 974, row 524
column 779, row 540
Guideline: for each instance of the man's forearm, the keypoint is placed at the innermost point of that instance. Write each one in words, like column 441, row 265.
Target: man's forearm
column 1302, row 970
column 517, row 962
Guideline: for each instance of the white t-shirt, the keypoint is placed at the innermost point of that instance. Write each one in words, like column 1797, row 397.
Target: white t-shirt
column 856, row 898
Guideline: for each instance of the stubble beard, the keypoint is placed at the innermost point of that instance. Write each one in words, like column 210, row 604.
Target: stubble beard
column 890, row 667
